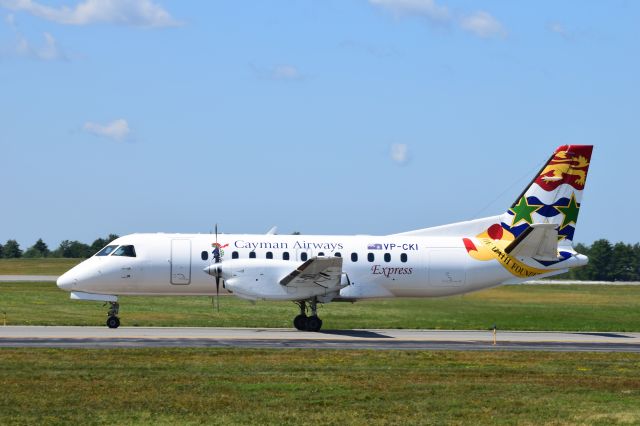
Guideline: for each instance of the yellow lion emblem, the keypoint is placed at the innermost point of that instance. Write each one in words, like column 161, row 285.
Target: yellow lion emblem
column 565, row 166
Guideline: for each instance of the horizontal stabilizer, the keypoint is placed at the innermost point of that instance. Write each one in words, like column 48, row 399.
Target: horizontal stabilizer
column 539, row 241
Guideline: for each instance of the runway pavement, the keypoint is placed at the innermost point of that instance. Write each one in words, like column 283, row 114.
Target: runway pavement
column 28, row 278
column 128, row 337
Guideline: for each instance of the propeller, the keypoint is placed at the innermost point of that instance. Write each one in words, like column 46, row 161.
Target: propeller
column 217, row 259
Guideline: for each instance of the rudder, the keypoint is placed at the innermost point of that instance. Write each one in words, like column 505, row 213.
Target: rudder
column 554, row 195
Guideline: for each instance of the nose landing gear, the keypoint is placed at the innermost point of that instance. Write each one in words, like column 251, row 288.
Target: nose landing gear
column 304, row 323
column 112, row 316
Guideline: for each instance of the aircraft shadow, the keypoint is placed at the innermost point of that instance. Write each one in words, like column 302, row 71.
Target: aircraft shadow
column 616, row 335
column 356, row 333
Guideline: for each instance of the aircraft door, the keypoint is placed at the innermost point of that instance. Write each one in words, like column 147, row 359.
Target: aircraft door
column 180, row 262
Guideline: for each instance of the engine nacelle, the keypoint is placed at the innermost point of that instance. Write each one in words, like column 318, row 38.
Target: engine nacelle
column 259, row 279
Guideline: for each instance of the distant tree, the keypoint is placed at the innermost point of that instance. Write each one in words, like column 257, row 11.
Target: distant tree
column 1, row 251
column 39, row 249
column 582, row 273
column 12, row 250
column 73, row 249
column 623, row 263
column 59, row 252
column 42, row 247
column 636, row 266
column 31, row 253
column 98, row 244
column 295, row 233
column 600, row 261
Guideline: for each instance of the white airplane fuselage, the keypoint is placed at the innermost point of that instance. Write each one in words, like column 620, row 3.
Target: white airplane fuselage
column 531, row 239
column 376, row 267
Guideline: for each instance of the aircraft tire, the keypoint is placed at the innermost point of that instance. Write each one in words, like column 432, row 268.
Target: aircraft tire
column 113, row 322
column 300, row 322
column 314, row 323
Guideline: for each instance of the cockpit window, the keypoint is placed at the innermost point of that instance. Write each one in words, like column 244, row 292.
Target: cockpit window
column 106, row 251
column 127, row 251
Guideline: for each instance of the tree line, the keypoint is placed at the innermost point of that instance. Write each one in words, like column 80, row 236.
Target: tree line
column 607, row 262
column 72, row 249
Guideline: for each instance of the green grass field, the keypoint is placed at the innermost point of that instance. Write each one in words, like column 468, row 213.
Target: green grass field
column 45, row 266
column 233, row 386
column 240, row 386
column 542, row 307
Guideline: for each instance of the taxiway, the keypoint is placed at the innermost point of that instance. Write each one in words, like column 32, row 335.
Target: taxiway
column 128, row 337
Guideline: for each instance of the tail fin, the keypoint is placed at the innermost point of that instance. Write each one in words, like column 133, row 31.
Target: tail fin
column 554, row 195
column 527, row 239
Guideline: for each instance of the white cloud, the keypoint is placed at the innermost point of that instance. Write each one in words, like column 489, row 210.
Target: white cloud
column 400, row 153
column 286, row 72
column 278, row 72
column 425, row 8
column 117, row 130
column 50, row 49
column 47, row 51
column 136, row 13
column 558, row 28
column 483, row 25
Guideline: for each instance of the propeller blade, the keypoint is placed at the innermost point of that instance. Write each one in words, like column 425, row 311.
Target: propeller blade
column 217, row 259
column 218, row 292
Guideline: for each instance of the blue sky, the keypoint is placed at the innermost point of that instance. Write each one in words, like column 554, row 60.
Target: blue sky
column 319, row 116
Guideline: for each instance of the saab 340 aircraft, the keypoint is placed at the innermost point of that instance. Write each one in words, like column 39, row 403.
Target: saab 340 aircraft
column 532, row 239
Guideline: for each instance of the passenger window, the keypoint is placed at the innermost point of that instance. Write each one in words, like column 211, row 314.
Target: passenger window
column 235, row 255
column 337, row 254
column 303, row 256
column 371, row 257
column 354, row 257
column 106, row 251
column 204, row 255
column 387, row 257
column 126, row 251
column 321, row 253
column 403, row 258
column 285, row 255
column 252, row 255
column 269, row 255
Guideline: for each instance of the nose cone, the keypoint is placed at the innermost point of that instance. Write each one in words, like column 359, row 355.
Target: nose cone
column 66, row 281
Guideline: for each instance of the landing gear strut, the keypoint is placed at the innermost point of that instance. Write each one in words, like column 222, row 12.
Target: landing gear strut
column 304, row 323
column 112, row 316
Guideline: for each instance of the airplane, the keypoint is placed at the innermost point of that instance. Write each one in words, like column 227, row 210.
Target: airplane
column 531, row 239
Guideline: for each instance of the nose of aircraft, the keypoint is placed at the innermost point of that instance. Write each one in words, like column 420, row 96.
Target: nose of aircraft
column 66, row 281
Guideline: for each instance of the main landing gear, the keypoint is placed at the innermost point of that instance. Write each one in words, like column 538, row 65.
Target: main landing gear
column 304, row 323
column 112, row 320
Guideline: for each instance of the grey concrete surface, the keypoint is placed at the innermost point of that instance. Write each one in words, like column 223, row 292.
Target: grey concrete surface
column 29, row 278
column 102, row 337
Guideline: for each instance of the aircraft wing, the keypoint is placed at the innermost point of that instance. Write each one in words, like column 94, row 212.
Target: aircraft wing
column 321, row 271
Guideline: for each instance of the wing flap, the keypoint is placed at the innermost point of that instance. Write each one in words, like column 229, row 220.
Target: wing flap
column 322, row 271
